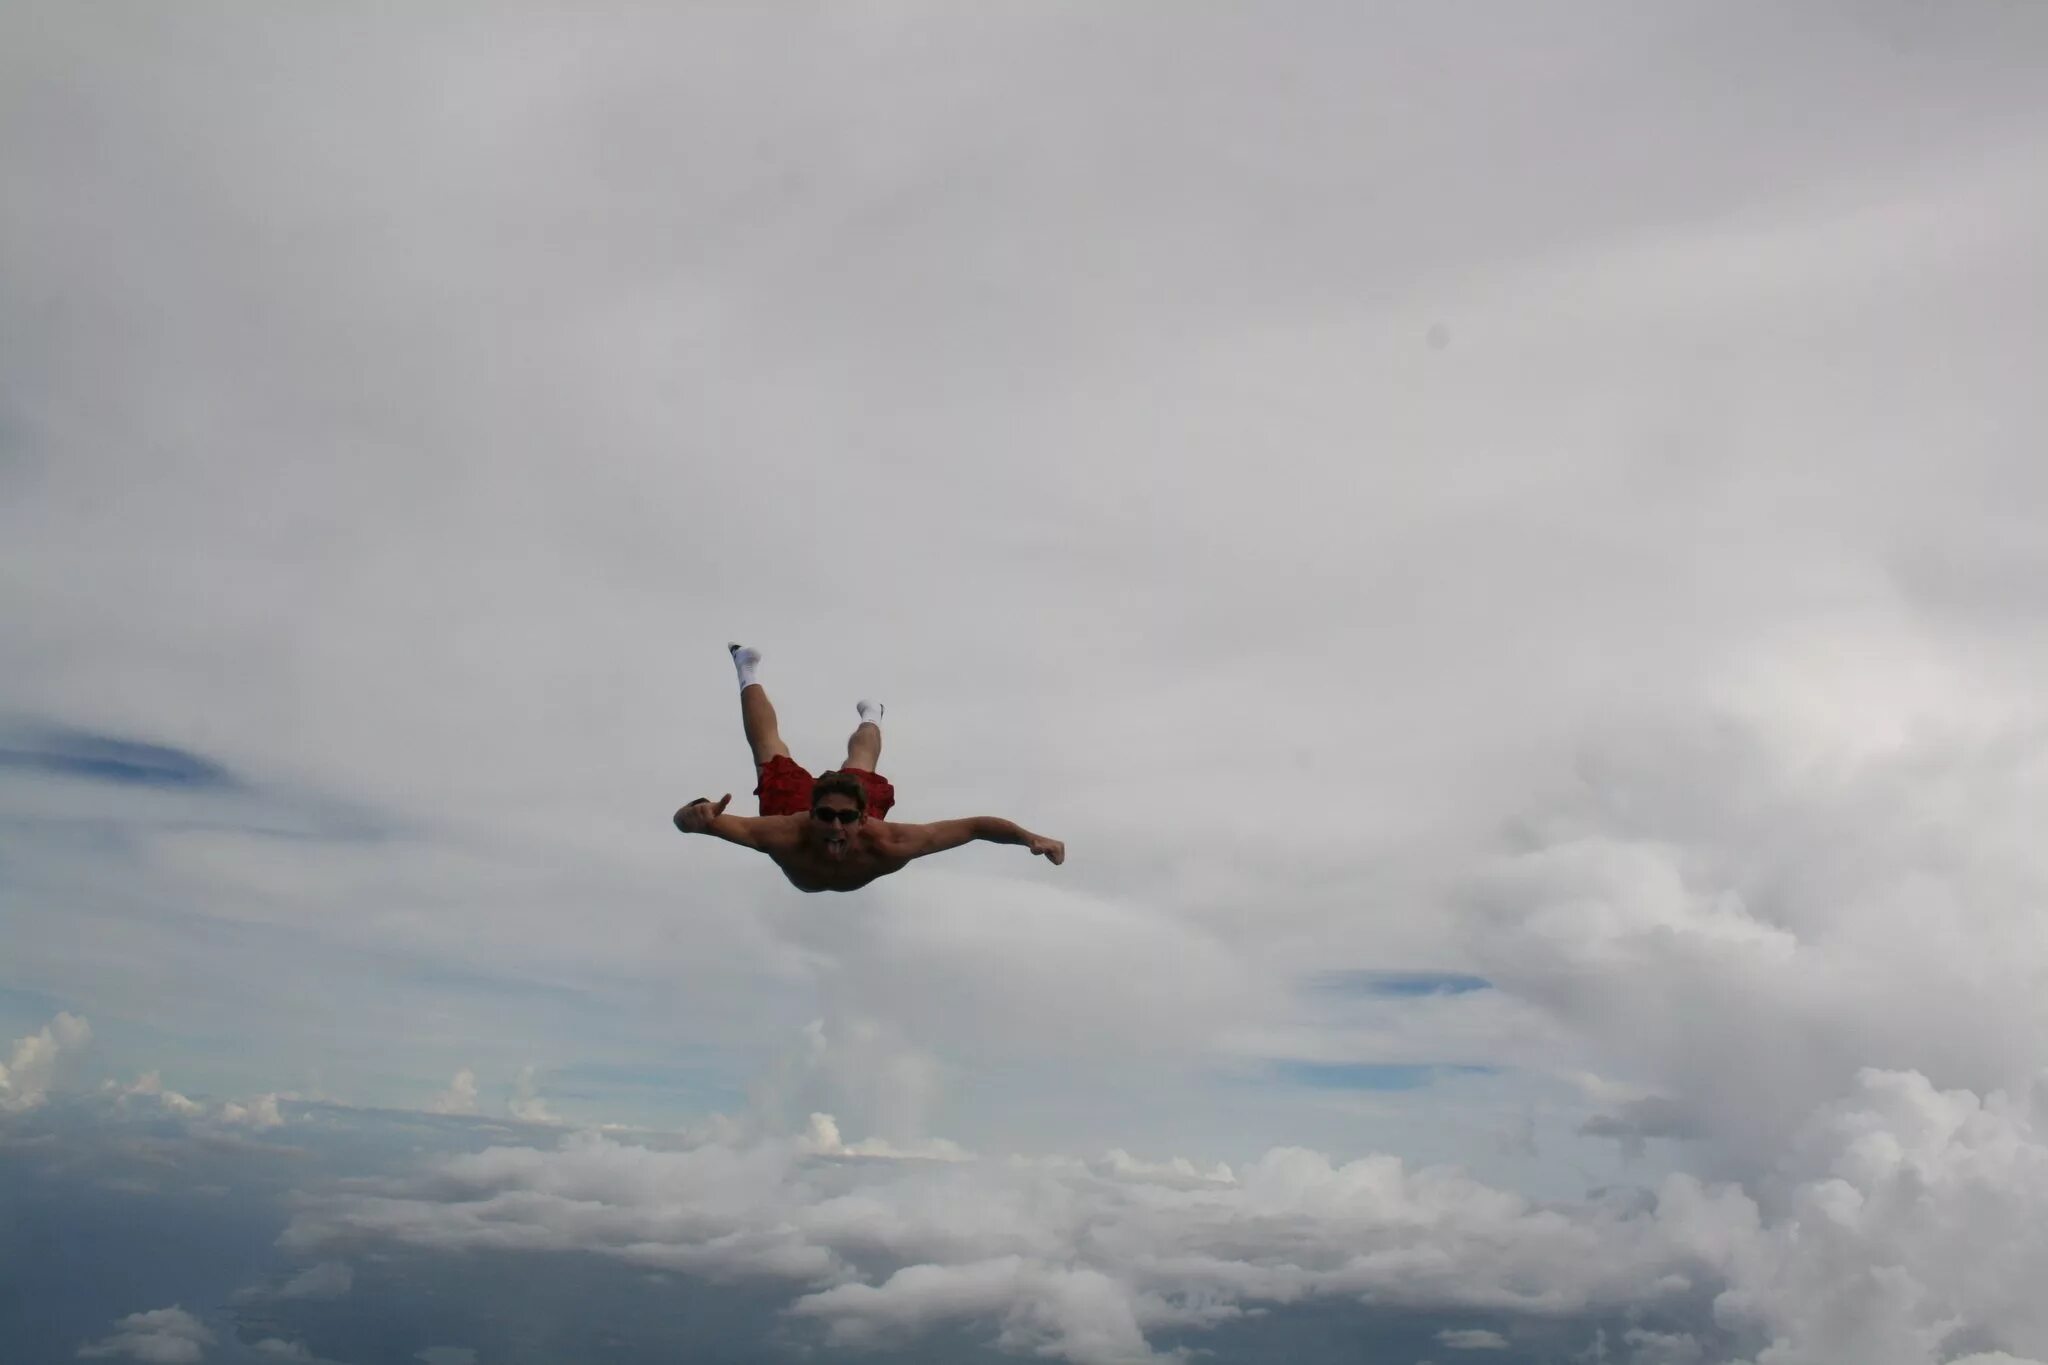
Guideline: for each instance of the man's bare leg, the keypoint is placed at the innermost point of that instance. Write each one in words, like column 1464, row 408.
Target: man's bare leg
column 757, row 713
column 864, row 745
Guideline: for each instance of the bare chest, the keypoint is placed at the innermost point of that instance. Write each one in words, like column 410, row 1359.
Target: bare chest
column 809, row 870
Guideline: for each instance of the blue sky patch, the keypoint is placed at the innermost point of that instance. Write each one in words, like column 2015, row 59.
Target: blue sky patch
column 1373, row 1075
column 1400, row 985
column 106, row 758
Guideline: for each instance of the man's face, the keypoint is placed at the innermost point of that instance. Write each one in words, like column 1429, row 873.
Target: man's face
column 834, row 817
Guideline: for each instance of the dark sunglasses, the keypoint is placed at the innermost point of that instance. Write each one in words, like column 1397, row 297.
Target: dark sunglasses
column 844, row 817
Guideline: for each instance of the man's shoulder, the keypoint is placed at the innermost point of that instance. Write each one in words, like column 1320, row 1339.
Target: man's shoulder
column 775, row 835
column 888, row 839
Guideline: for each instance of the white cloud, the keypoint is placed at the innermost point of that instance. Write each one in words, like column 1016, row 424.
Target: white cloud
column 1062, row 1312
column 459, row 1097
column 279, row 1349
column 25, row 1076
column 161, row 1336
column 1806, row 951
column 327, row 1280
column 526, row 1103
column 259, row 1113
column 1471, row 1339
column 866, row 1068
column 821, row 1138
column 1908, row 1217
column 150, row 1085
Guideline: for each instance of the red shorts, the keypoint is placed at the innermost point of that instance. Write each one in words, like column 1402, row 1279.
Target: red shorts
column 785, row 788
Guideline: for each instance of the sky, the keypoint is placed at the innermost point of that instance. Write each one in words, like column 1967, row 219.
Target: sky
column 1505, row 544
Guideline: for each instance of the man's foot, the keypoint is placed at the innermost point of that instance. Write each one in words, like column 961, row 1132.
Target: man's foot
column 745, row 658
column 870, row 712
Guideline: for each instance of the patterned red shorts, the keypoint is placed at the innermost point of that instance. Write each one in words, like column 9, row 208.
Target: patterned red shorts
column 785, row 788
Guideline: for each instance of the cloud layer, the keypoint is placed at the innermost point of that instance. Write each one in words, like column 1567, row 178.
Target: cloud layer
column 1078, row 1260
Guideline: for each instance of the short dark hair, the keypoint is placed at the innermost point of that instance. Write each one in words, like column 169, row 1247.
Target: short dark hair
column 837, row 783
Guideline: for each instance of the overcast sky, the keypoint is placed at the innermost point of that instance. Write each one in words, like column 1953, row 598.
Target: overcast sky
column 1507, row 544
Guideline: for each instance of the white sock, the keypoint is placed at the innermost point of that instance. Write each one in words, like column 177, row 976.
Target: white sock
column 870, row 712
column 746, row 659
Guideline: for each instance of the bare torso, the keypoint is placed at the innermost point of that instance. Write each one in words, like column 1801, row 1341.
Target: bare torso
column 870, row 853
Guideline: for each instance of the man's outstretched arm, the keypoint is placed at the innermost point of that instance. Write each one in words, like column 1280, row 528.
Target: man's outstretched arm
column 916, row 841
column 705, row 816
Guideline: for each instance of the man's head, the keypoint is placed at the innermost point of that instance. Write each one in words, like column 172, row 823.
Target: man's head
column 839, row 804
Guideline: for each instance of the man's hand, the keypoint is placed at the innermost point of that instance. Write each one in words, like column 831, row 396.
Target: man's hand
column 1047, row 848
column 696, row 817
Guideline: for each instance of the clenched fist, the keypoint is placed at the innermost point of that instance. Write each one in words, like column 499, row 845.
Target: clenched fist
column 1051, row 849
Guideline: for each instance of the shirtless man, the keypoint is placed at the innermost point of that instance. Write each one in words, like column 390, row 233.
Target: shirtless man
column 829, row 833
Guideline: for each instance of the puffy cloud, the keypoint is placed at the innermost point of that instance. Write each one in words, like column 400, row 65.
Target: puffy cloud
column 150, row 1085
column 865, row 1068
column 1069, row 1313
column 1913, row 1223
column 1471, row 1339
column 1735, row 920
column 161, row 1336
column 459, row 1097
column 25, row 1076
column 259, row 1113
column 821, row 1138
column 526, row 1103
column 1808, row 952
column 327, row 1280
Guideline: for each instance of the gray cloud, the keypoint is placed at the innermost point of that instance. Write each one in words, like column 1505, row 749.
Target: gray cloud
column 161, row 1336
column 1652, row 1116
